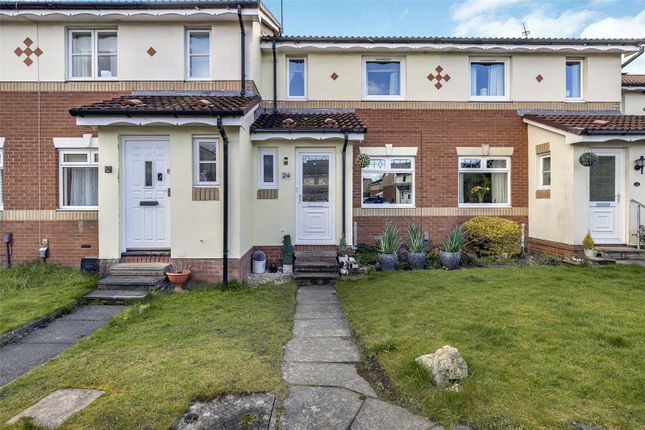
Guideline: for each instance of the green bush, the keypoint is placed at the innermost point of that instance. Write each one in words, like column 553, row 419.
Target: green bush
column 490, row 236
column 366, row 254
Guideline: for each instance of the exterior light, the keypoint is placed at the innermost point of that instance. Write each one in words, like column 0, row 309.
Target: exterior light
column 639, row 164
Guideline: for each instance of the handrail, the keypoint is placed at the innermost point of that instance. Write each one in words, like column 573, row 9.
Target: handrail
column 638, row 203
column 639, row 234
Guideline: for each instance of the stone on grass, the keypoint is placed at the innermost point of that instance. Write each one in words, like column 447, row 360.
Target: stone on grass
column 54, row 409
column 253, row 411
column 446, row 366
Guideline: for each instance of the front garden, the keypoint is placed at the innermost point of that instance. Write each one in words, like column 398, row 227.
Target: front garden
column 545, row 346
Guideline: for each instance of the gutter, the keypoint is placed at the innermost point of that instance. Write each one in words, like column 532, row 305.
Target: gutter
column 83, row 112
column 222, row 133
column 344, row 181
column 222, row 4
column 242, row 51
column 640, row 52
column 309, row 130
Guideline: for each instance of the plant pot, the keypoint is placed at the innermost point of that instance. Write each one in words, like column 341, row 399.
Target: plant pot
column 259, row 266
column 450, row 260
column 417, row 260
column 591, row 253
column 287, row 268
column 387, row 262
column 178, row 280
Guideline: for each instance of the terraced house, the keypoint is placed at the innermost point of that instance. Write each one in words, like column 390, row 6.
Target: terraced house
column 137, row 131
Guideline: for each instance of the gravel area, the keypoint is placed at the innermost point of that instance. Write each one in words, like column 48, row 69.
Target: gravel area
column 257, row 279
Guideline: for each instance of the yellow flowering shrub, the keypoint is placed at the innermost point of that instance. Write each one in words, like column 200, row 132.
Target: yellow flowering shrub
column 490, row 236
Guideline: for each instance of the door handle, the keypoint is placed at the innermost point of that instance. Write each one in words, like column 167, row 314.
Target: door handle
column 148, row 203
column 617, row 197
column 159, row 177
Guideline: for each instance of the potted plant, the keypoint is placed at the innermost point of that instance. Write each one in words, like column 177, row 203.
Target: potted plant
column 287, row 254
column 589, row 245
column 178, row 274
column 388, row 247
column 259, row 262
column 362, row 160
column 588, row 158
column 417, row 254
column 450, row 249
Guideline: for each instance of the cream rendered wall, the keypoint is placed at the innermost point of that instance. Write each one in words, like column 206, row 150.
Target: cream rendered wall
column 551, row 219
column 272, row 219
column 49, row 37
column 635, row 150
column 633, row 103
column 454, row 65
column 134, row 39
column 602, row 78
column 525, row 68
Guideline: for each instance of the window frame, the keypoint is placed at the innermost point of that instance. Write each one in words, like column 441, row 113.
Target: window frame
column 402, row 78
column 94, row 54
column 541, row 171
column 289, row 96
column 197, row 183
column 389, row 169
column 507, row 78
column 188, row 55
column 91, row 161
column 484, row 159
column 580, row 61
column 261, row 153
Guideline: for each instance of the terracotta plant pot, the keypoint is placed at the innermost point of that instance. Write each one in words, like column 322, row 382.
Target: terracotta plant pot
column 178, row 280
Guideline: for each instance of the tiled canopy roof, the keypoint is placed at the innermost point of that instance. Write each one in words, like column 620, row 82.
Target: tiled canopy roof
column 170, row 105
column 633, row 80
column 593, row 124
column 457, row 40
column 314, row 121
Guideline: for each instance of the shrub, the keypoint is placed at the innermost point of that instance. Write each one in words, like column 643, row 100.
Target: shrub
column 389, row 242
column 366, row 254
column 454, row 241
column 414, row 241
column 588, row 242
column 490, row 236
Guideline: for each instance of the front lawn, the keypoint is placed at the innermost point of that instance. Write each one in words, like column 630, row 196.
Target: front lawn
column 33, row 290
column 545, row 346
column 155, row 358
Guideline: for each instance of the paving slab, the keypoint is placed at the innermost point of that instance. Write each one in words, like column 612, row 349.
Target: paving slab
column 19, row 358
column 326, row 374
column 327, row 327
column 379, row 415
column 53, row 410
column 317, row 311
column 313, row 297
column 319, row 408
column 321, row 350
column 63, row 330
column 253, row 411
column 95, row 312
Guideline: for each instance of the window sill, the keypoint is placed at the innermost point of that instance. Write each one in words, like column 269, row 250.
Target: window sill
column 267, row 187
column 368, row 98
column 489, row 99
column 574, row 100
column 386, row 206
column 198, row 79
column 112, row 79
column 296, row 98
column 484, row 206
column 78, row 209
column 206, row 185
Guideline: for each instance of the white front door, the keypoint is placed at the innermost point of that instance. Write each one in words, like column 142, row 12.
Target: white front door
column 315, row 187
column 606, row 197
column 147, row 184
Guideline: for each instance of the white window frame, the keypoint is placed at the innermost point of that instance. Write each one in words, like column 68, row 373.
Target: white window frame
column 210, row 53
column 1, row 179
column 541, row 170
column 261, row 153
column 582, row 93
column 94, row 54
column 289, row 96
column 92, row 160
column 507, row 78
column 508, row 170
column 196, row 162
column 402, row 77
column 389, row 169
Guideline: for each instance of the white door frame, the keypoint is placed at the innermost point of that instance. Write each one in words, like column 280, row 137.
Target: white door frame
column 619, row 205
column 332, row 195
column 123, row 185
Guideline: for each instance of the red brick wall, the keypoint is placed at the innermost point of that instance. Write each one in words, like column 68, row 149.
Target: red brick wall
column 539, row 246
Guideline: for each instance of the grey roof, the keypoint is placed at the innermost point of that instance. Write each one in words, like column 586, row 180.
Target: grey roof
column 121, row 4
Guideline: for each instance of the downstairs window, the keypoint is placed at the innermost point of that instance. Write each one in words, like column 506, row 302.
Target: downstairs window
column 388, row 182
column 484, row 181
column 79, row 179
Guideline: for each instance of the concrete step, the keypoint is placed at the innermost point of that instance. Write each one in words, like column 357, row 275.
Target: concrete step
column 622, row 252
column 316, row 275
column 315, row 266
column 115, row 296
column 139, row 269
column 145, row 283
column 315, row 255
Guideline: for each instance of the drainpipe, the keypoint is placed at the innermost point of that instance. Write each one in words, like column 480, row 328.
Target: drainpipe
column 640, row 52
column 344, row 205
column 275, row 80
column 222, row 133
column 243, row 50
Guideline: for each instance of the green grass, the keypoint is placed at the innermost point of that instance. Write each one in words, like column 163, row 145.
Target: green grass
column 33, row 290
column 154, row 359
column 544, row 346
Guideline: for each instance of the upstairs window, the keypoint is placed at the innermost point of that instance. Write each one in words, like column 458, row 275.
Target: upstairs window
column 574, row 79
column 383, row 79
column 93, row 54
column 297, row 77
column 545, row 171
column 199, row 54
column 488, row 79
column 484, row 181
column 388, row 182
column 205, row 161
column 268, row 168
column 79, row 179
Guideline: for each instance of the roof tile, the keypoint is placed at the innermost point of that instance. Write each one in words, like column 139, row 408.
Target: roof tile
column 633, row 80
column 584, row 124
column 314, row 121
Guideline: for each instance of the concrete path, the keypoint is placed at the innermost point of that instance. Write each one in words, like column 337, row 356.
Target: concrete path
column 325, row 390
column 43, row 344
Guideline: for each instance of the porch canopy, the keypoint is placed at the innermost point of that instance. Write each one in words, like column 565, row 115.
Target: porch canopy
column 591, row 127
column 313, row 124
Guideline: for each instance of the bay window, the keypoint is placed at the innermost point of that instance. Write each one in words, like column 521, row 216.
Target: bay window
column 205, row 161
column 488, row 79
column 383, row 79
column 388, row 182
column 79, row 179
column 92, row 54
column 484, row 181
column 574, row 79
column 268, row 167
